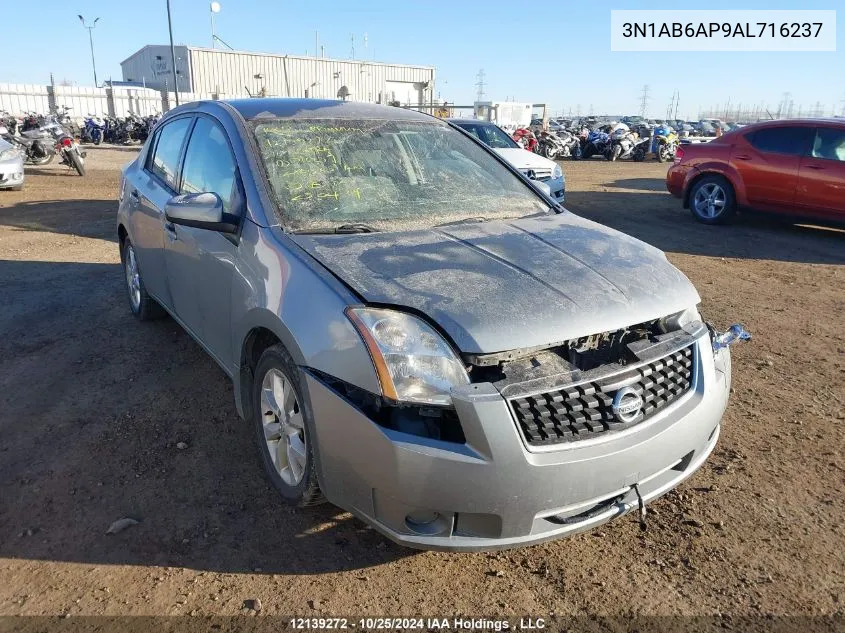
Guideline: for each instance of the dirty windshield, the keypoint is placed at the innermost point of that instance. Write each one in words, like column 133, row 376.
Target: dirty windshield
column 386, row 174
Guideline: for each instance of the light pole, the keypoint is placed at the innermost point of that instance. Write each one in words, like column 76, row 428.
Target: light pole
column 215, row 8
column 91, row 42
column 172, row 52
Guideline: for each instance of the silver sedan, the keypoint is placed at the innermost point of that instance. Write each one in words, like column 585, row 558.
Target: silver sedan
column 415, row 331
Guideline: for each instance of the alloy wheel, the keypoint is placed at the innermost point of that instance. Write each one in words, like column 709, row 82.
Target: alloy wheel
column 710, row 201
column 133, row 278
column 284, row 427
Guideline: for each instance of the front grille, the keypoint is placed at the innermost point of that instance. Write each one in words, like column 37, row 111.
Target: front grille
column 540, row 173
column 585, row 410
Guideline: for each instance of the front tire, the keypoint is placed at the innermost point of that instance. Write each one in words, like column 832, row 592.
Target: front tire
column 77, row 163
column 143, row 306
column 663, row 154
column 617, row 151
column 283, row 424
column 712, row 200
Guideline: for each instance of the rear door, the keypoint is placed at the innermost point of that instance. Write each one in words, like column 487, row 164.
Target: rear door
column 821, row 178
column 149, row 187
column 200, row 262
column 768, row 160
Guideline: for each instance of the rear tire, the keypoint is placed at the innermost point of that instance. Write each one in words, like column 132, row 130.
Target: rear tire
column 142, row 305
column 712, row 200
column 283, row 425
column 38, row 162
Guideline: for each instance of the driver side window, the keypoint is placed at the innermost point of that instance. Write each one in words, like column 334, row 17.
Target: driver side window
column 209, row 165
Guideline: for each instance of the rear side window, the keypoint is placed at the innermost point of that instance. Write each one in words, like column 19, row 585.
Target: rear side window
column 830, row 144
column 209, row 165
column 165, row 161
column 794, row 141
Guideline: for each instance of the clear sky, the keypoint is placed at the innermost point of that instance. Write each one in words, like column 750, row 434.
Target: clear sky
column 552, row 52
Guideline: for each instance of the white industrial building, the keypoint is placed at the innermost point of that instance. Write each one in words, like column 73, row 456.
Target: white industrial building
column 223, row 74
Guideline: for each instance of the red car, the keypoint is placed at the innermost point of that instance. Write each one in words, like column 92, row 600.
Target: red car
column 789, row 167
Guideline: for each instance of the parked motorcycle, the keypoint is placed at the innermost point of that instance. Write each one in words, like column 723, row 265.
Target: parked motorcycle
column 71, row 155
column 525, row 139
column 37, row 149
column 666, row 144
column 550, row 145
column 622, row 143
column 93, row 130
column 571, row 145
column 597, row 143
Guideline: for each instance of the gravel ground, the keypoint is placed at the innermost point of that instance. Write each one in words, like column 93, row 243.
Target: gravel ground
column 94, row 406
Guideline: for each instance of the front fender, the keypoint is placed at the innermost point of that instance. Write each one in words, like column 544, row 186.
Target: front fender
column 280, row 290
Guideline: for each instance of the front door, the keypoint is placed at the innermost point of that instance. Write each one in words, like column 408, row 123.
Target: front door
column 148, row 190
column 821, row 178
column 200, row 262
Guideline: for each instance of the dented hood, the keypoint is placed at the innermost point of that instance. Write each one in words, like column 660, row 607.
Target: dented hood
column 504, row 285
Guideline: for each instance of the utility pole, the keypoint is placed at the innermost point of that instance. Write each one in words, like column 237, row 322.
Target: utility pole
column 172, row 52
column 91, row 42
column 644, row 98
column 214, row 7
column 479, row 95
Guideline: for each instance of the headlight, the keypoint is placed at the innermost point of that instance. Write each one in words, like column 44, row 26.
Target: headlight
column 678, row 320
column 413, row 362
column 9, row 154
column 556, row 172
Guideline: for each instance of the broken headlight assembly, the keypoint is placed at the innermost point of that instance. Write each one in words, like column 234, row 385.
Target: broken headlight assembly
column 414, row 363
column 678, row 320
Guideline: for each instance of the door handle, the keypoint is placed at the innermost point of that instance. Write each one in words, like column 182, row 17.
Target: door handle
column 170, row 229
column 817, row 167
column 742, row 157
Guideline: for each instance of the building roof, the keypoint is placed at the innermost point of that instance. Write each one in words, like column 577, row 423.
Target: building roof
column 259, row 54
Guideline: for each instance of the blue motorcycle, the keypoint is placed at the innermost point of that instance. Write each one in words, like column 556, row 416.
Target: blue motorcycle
column 598, row 143
column 94, row 130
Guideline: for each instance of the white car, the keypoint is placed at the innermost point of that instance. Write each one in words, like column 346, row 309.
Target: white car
column 11, row 166
column 531, row 164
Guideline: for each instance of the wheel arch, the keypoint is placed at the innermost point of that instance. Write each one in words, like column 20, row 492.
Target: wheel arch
column 730, row 175
column 264, row 330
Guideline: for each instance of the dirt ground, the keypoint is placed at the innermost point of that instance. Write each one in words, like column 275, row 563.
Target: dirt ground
column 93, row 404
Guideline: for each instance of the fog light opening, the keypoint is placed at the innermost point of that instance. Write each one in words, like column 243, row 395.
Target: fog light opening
column 427, row 522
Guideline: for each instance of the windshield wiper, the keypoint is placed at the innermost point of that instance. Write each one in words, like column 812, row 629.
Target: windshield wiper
column 343, row 228
column 464, row 221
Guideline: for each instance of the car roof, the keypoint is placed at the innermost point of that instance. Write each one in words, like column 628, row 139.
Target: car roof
column 284, row 108
column 835, row 122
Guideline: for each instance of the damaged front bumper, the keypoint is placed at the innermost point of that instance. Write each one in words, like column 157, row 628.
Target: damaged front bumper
column 495, row 491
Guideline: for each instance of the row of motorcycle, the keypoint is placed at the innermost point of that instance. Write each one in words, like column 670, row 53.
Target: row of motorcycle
column 613, row 141
column 41, row 138
column 117, row 130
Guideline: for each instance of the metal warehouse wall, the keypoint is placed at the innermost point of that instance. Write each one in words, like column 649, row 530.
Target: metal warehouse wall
column 153, row 66
column 231, row 72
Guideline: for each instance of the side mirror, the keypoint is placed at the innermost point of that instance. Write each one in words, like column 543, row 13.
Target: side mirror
column 201, row 211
